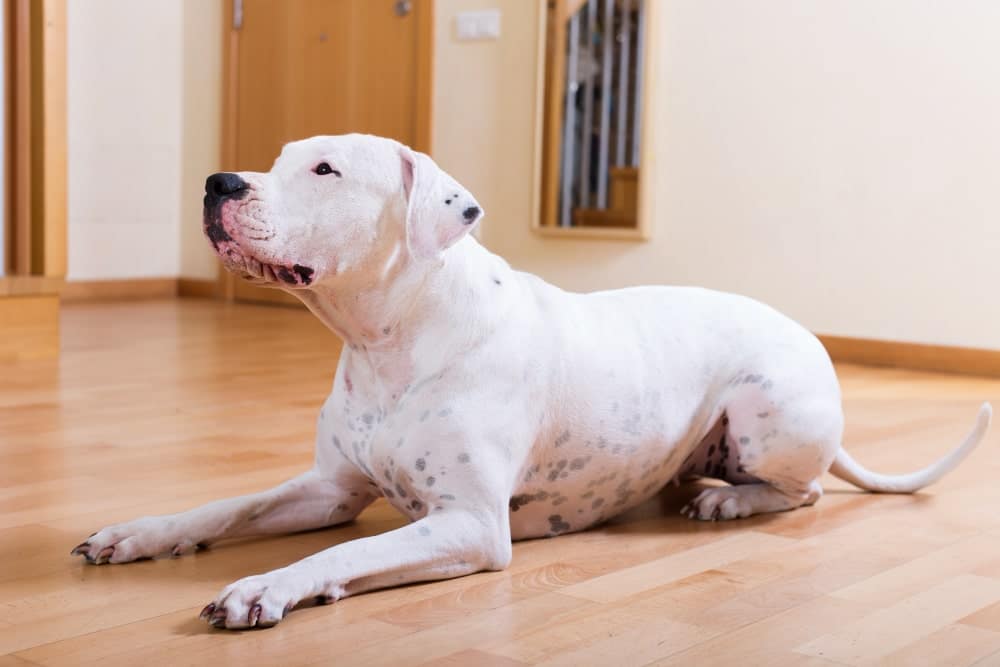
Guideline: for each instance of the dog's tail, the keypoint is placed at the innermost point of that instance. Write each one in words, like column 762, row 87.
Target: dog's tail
column 849, row 470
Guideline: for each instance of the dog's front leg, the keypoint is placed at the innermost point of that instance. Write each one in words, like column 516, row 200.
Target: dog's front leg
column 447, row 543
column 308, row 501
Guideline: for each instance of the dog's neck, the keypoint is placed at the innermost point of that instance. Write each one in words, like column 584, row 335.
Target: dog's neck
column 412, row 315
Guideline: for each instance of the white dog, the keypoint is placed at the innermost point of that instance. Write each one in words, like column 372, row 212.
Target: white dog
column 485, row 404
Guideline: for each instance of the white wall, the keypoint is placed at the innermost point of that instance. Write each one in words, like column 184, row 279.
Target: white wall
column 840, row 161
column 124, row 109
column 201, row 126
column 143, row 100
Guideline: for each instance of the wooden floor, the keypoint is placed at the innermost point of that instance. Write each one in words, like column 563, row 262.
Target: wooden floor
column 155, row 407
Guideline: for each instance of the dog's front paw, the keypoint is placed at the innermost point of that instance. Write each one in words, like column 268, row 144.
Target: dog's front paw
column 260, row 601
column 136, row 540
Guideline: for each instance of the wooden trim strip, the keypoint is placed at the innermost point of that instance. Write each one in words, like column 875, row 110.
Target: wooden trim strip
column 119, row 290
column 29, row 285
column 133, row 289
column 197, row 288
column 601, row 233
column 424, row 102
column 53, row 149
column 20, row 124
column 913, row 356
column 6, row 264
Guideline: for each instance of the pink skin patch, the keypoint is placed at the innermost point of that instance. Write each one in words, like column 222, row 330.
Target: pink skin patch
column 220, row 231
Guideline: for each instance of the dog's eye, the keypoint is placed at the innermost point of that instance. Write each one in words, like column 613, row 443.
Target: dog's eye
column 323, row 169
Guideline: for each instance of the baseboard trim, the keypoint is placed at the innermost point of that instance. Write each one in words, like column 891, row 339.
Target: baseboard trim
column 135, row 289
column 130, row 289
column 197, row 288
column 913, row 356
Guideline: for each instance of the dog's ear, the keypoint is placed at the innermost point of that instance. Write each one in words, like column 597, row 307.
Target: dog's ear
column 439, row 211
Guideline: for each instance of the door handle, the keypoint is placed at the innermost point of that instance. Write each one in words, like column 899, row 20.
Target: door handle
column 403, row 7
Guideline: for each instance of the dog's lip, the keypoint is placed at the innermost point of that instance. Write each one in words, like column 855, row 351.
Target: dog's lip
column 237, row 258
column 295, row 275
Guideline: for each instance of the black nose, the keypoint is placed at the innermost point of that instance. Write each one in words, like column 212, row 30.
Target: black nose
column 470, row 214
column 224, row 185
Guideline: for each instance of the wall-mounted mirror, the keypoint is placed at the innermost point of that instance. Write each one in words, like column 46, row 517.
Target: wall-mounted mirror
column 593, row 114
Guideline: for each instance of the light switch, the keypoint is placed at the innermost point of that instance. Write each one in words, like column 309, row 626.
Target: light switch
column 483, row 24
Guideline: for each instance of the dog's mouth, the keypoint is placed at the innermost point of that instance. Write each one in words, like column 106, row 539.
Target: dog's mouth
column 255, row 271
column 238, row 260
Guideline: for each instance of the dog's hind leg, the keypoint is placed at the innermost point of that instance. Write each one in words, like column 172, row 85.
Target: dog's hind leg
column 775, row 448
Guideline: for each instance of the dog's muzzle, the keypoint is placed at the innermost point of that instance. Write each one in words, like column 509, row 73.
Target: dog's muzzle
column 218, row 188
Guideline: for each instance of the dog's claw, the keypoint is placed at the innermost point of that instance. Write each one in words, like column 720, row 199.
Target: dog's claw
column 104, row 555
column 254, row 615
column 218, row 619
column 80, row 549
column 207, row 611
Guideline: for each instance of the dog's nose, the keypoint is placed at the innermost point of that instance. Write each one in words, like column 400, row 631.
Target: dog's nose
column 470, row 214
column 224, row 185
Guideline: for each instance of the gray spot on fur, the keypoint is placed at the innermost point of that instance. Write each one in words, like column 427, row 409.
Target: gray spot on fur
column 423, row 417
column 597, row 503
column 557, row 525
column 368, row 418
column 763, row 415
column 430, row 481
column 463, row 458
column 767, row 385
column 744, row 440
column 445, row 412
column 421, row 464
column 424, row 530
column 562, row 439
column 578, row 463
column 447, row 496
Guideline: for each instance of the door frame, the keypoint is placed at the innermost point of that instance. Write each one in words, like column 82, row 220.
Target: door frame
column 423, row 12
column 35, row 171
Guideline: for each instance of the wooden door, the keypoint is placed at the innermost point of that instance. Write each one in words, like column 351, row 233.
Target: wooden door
column 298, row 68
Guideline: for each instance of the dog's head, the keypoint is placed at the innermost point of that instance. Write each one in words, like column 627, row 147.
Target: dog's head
column 333, row 207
